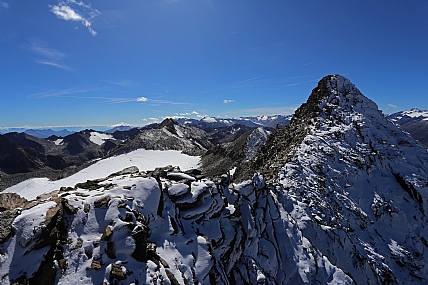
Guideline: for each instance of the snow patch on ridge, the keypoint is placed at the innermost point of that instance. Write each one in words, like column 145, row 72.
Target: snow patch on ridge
column 99, row 138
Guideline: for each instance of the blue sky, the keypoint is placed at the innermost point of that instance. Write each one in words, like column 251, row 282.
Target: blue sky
column 73, row 62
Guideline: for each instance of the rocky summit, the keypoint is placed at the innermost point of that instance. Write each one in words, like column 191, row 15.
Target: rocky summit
column 338, row 196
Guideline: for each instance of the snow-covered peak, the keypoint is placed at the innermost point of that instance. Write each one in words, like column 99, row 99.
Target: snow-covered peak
column 343, row 96
column 354, row 182
column 413, row 114
column 341, row 84
column 416, row 113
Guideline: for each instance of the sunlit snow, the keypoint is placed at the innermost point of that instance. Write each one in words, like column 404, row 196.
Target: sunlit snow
column 99, row 138
column 143, row 159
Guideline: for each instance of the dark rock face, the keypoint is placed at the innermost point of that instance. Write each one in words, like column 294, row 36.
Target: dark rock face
column 223, row 135
column 6, row 220
column 15, row 158
column 27, row 140
column 222, row 158
column 23, row 156
column 76, row 143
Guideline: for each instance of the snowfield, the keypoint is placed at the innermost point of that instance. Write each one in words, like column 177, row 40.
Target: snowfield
column 141, row 158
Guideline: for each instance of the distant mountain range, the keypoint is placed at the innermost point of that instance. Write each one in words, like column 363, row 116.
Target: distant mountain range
column 40, row 133
column 414, row 121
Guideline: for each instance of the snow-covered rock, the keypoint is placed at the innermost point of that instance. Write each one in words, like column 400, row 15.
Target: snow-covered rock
column 354, row 182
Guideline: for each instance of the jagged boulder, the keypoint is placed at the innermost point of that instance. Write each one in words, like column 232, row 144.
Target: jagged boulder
column 6, row 220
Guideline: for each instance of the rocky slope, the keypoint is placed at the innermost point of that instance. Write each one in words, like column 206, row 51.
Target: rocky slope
column 340, row 198
column 415, row 122
column 16, row 158
column 169, row 135
column 23, row 156
column 224, row 158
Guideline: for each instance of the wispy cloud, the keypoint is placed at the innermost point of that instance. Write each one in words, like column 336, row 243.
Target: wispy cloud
column 392, row 106
column 48, row 56
column 142, row 99
column 168, row 102
column 53, row 64
column 72, row 10
column 74, row 93
column 228, row 101
column 60, row 93
column 123, row 83
column 4, row 4
column 302, row 82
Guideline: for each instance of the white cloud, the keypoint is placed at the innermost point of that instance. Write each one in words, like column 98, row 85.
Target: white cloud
column 63, row 93
column 302, row 82
column 142, row 99
column 187, row 114
column 81, row 12
column 120, row 125
column 4, row 4
column 228, row 101
column 168, row 102
column 392, row 106
column 66, row 13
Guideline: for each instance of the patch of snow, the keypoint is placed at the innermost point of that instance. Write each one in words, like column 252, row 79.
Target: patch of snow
column 179, row 175
column 179, row 132
column 99, row 138
column 59, row 141
column 178, row 189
